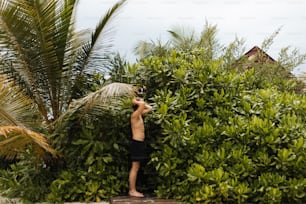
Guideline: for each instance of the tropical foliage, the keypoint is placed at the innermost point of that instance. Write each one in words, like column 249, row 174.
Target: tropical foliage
column 218, row 134
column 208, row 47
column 94, row 145
column 45, row 56
column 45, row 64
column 224, row 137
column 19, row 119
column 44, row 53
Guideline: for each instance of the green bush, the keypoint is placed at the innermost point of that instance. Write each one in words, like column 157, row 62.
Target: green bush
column 223, row 139
column 95, row 154
column 215, row 136
column 23, row 180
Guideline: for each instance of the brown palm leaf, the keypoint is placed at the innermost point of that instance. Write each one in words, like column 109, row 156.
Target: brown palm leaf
column 14, row 140
column 109, row 96
column 109, row 92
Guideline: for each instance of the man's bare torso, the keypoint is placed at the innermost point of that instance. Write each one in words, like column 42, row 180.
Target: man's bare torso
column 137, row 126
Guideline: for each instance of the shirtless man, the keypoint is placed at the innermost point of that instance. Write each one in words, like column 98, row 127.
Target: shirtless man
column 137, row 146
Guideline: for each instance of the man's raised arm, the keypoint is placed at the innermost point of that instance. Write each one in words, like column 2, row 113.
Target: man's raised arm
column 147, row 109
column 140, row 106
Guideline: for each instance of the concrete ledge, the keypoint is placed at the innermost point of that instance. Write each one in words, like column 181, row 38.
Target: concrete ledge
column 145, row 200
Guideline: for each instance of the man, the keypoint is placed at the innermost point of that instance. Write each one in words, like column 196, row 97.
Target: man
column 137, row 146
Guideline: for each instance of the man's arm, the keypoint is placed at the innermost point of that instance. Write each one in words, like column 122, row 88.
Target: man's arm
column 147, row 109
column 141, row 106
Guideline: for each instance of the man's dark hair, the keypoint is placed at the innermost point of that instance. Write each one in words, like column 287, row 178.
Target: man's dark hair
column 140, row 90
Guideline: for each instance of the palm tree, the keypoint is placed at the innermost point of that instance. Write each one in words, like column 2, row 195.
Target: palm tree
column 183, row 39
column 20, row 122
column 44, row 54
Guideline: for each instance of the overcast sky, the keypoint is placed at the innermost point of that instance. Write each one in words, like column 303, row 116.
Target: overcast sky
column 253, row 20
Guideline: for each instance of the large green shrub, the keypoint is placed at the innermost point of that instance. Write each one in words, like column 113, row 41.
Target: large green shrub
column 215, row 136
column 25, row 181
column 95, row 153
column 224, row 137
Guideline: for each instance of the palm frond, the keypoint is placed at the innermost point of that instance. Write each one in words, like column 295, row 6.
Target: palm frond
column 183, row 38
column 54, row 24
column 142, row 48
column 41, row 50
column 21, row 39
column 90, row 53
column 102, row 25
column 14, row 141
column 36, row 35
column 109, row 96
column 146, row 49
column 16, row 108
column 176, row 36
column 110, row 93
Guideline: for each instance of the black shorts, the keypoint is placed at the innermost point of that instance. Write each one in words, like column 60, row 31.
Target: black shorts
column 137, row 150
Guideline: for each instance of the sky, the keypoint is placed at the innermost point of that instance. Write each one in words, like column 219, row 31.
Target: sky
column 252, row 20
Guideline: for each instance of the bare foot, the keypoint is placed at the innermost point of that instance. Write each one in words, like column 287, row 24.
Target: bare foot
column 136, row 194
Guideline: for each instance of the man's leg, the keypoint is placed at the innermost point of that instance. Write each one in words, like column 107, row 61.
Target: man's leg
column 133, row 179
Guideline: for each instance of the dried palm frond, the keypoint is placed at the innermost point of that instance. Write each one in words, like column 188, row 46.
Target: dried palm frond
column 14, row 140
column 108, row 97
column 109, row 92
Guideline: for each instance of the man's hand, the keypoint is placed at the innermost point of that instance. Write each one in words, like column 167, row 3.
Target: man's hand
column 143, row 107
column 138, row 101
column 147, row 109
